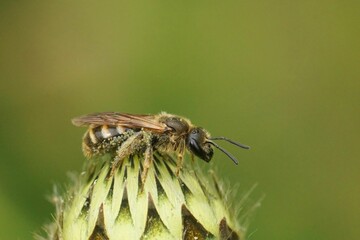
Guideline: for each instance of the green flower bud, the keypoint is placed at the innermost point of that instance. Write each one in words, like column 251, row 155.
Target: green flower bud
column 189, row 206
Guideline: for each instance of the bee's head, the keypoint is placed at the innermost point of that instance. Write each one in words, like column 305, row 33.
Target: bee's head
column 199, row 143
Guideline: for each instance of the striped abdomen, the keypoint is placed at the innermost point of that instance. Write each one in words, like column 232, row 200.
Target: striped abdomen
column 101, row 139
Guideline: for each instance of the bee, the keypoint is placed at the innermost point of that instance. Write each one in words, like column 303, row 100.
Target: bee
column 124, row 134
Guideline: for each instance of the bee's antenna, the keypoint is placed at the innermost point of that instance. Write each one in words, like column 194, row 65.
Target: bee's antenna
column 224, row 151
column 230, row 141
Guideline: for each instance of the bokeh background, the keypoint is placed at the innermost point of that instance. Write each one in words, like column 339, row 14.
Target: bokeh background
column 281, row 76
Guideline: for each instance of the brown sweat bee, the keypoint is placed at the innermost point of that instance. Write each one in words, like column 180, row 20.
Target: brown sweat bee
column 124, row 134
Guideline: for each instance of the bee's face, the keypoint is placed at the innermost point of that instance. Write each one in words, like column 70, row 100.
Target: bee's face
column 197, row 144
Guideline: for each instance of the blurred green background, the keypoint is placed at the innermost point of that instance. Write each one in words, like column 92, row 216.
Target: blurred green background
column 280, row 76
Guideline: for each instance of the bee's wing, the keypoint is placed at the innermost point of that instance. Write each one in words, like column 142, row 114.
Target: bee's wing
column 121, row 119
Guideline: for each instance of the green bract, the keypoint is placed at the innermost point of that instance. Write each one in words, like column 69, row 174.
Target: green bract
column 101, row 206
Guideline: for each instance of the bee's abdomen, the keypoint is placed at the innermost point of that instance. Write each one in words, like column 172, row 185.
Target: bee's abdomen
column 95, row 138
column 100, row 133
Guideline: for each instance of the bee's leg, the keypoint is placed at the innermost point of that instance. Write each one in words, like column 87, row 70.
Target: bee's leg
column 128, row 147
column 148, row 155
column 179, row 164
column 180, row 158
column 192, row 158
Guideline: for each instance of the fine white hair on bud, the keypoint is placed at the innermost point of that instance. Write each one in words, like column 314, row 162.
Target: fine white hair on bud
column 102, row 206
